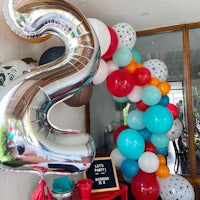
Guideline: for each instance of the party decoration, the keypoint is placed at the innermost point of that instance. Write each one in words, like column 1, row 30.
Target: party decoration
column 173, row 109
column 140, row 105
column 142, row 76
column 136, row 54
column 126, row 35
column 159, row 140
column 80, row 98
column 164, row 88
column 120, row 83
column 130, row 143
column 135, row 94
column 145, row 186
column 103, row 34
column 158, row 119
column 162, row 171
column 122, row 56
column 129, row 168
column 149, row 147
column 164, row 101
column 117, row 157
column 118, row 131
column 25, row 102
column 101, row 74
column 175, row 187
column 113, row 44
column 176, row 131
column 151, row 95
column 111, row 66
column 157, row 68
column 135, row 120
column 11, row 70
column 148, row 162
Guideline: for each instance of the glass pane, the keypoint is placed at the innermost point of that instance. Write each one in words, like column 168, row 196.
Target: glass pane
column 195, row 73
column 168, row 47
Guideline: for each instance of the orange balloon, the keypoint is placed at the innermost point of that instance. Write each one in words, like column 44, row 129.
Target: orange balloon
column 161, row 159
column 162, row 171
column 164, row 88
column 131, row 67
column 154, row 81
column 138, row 64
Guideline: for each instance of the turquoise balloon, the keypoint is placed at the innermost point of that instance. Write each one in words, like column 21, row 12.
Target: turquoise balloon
column 130, row 144
column 164, row 101
column 129, row 168
column 136, row 55
column 151, row 95
column 158, row 119
column 120, row 99
column 160, row 140
column 135, row 120
column 162, row 151
column 122, row 56
column 146, row 134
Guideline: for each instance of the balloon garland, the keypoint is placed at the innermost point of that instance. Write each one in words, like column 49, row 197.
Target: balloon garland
column 143, row 144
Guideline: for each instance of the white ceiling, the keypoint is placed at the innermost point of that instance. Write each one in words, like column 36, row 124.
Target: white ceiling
column 141, row 14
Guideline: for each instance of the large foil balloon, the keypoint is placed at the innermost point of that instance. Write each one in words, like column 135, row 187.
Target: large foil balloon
column 28, row 139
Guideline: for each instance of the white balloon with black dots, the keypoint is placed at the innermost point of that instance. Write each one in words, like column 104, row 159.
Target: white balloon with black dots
column 157, row 68
column 126, row 35
column 175, row 187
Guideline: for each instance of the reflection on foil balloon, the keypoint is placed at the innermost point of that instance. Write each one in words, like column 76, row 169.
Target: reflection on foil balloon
column 26, row 102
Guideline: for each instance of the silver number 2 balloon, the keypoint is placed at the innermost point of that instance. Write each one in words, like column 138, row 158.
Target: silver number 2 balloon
column 27, row 137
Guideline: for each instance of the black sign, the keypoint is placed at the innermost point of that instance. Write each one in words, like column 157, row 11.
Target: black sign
column 103, row 173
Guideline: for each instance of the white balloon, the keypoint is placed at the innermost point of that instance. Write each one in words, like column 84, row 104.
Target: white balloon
column 126, row 35
column 176, row 130
column 135, row 94
column 148, row 162
column 111, row 66
column 101, row 74
column 102, row 33
column 117, row 157
column 175, row 187
column 157, row 68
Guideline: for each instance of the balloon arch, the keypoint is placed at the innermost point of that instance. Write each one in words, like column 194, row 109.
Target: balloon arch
column 142, row 144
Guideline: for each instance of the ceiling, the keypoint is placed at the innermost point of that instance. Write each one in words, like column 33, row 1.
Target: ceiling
column 141, row 14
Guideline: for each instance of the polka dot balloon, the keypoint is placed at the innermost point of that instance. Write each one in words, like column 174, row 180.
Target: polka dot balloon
column 176, row 130
column 126, row 35
column 175, row 187
column 157, row 68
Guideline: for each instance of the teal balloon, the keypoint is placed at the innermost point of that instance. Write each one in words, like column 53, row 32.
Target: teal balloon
column 135, row 119
column 151, row 95
column 158, row 119
column 146, row 134
column 162, row 151
column 164, row 101
column 130, row 144
column 160, row 140
column 120, row 99
column 129, row 168
column 136, row 55
column 122, row 56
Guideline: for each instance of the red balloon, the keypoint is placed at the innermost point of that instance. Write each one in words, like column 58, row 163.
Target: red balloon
column 173, row 109
column 140, row 105
column 118, row 131
column 120, row 83
column 150, row 147
column 142, row 76
column 145, row 186
column 113, row 44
